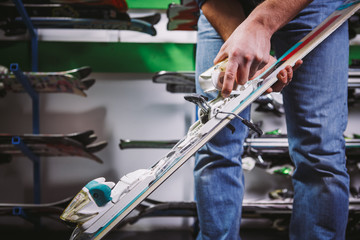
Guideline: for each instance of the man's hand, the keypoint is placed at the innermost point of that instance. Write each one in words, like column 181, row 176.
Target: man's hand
column 248, row 50
column 248, row 46
column 284, row 76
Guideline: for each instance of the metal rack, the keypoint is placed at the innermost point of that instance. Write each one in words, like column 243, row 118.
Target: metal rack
column 34, row 96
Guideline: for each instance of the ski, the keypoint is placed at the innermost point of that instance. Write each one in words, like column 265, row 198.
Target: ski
column 269, row 152
column 16, row 26
column 278, row 207
column 184, row 78
column 176, row 82
column 8, row 10
column 101, row 205
column 354, row 78
column 71, row 81
column 133, row 144
column 9, row 13
column 120, row 5
column 74, row 144
column 183, row 16
column 354, row 86
column 32, row 212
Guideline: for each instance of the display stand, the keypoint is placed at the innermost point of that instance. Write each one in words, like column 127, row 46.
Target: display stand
column 17, row 141
column 33, row 33
column 34, row 96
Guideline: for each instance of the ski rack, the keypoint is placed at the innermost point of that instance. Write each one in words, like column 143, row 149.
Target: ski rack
column 33, row 94
column 33, row 33
column 14, row 67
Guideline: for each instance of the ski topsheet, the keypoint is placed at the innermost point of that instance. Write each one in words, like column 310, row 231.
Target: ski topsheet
column 101, row 205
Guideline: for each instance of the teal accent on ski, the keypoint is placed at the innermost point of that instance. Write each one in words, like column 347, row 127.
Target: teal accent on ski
column 101, row 193
column 117, row 215
column 279, row 60
column 289, row 51
column 137, row 197
column 347, row 5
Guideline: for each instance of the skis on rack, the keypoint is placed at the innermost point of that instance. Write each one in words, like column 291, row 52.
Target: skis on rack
column 275, row 209
column 73, row 10
column 74, row 144
column 269, row 151
column 101, row 205
column 16, row 26
column 32, row 212
column 183, row 16
column 184, row 82
column 72, row 81
column 120, row 5
column 9, row 11
column 354, row 86
column 105, row 14
column 176, row 82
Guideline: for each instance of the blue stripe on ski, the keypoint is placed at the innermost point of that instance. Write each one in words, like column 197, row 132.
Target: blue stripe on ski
column 346, row 5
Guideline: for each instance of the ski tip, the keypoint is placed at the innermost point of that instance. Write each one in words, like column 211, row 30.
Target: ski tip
column 95, row 158
column 79, row 92
column 84, row 72
column 152, row 19
column 157, row 17
column 85, row 138
column 122, row 144
column 88, row 83
column 96, row 147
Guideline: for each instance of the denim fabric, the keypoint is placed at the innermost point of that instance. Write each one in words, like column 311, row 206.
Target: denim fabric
column 316, row 114
column 219, row 180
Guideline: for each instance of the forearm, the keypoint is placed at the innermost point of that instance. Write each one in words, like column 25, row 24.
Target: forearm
column 271, row 15
column 225, row 15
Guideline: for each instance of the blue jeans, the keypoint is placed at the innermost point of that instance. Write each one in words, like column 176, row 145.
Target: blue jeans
column 316, row 115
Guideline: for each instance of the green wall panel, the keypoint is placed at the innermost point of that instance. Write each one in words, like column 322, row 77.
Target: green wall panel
column 354, row 53
column 108, row 57
column 153, row 4
column 102, row 57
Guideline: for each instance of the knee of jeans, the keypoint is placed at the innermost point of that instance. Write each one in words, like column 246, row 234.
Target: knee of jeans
column 310, row 167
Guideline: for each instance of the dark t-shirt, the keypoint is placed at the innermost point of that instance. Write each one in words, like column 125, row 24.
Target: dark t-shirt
column 248, row 5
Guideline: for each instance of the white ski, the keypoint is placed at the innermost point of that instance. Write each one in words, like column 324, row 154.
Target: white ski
column 101, row 205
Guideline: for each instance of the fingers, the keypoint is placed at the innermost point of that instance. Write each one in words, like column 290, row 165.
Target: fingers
column 297, row 64
column 229, row 78
column 284, row 77
column 238, row 73
column 220, row 56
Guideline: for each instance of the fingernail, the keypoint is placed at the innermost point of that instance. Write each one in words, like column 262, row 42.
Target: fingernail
column 225, row 95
